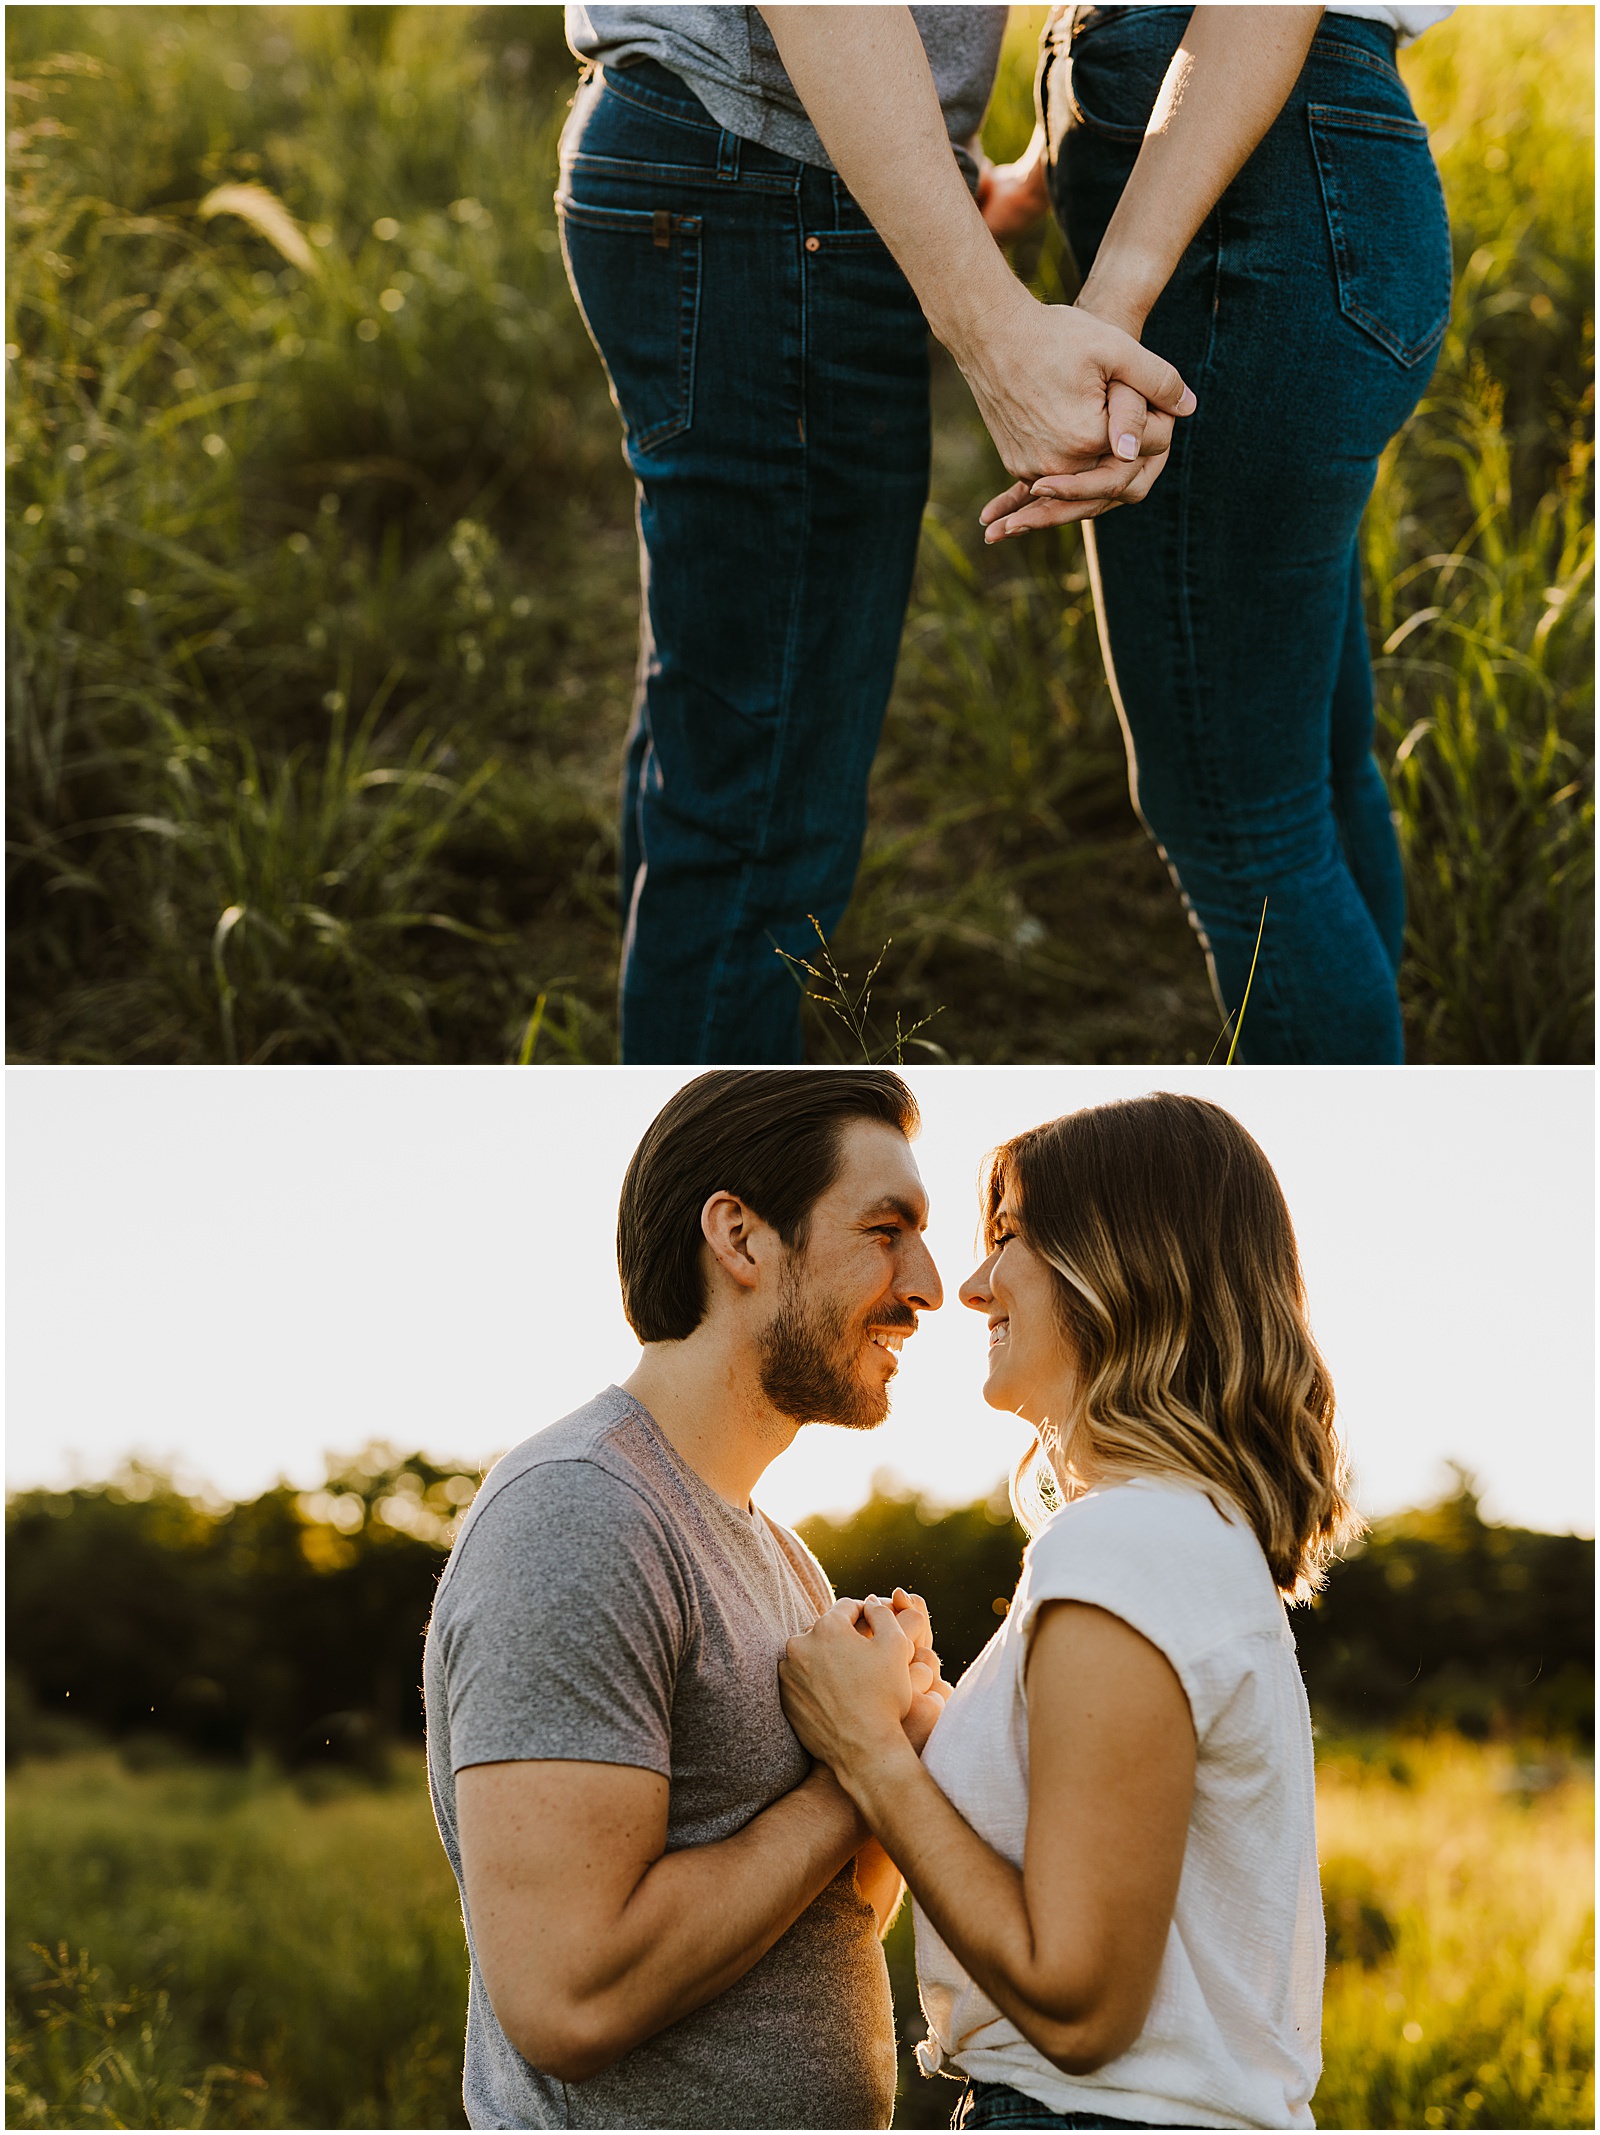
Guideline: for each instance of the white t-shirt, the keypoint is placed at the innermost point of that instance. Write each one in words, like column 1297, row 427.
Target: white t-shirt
column 1409, row 22
column 1233, row 2038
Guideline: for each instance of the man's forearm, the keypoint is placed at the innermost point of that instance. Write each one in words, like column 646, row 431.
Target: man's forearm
column 700, row 1917
column 1226, row 84
column 864, row 79
column 1042, row 375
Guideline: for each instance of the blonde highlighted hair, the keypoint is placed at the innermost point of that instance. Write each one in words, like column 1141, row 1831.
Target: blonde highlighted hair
column 1180, row 1293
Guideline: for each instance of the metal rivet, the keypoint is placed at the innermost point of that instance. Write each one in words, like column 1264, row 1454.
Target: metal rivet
column 813, row 244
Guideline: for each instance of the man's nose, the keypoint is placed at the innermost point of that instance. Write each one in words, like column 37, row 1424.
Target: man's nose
column 920, row 1285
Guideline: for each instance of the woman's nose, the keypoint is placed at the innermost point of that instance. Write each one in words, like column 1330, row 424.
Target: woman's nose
column 975, row 1290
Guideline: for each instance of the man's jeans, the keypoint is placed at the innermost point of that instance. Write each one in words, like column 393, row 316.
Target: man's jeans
column 1306, row 315
column 770, row 365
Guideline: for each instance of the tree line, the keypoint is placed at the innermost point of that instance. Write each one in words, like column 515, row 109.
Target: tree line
column 291, row 1624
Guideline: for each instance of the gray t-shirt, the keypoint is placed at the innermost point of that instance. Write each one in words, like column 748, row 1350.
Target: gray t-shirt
column 603, row 1603
column 728, row 58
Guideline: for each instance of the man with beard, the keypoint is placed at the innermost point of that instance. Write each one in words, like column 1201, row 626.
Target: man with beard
column 673, row 1919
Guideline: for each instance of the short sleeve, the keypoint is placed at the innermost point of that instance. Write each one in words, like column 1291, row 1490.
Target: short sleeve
column 562, row 1623
column 1170, row 1564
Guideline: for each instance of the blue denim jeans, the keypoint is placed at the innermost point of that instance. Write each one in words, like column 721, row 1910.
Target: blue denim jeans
column 1306, row 315
column 770, row 365
column 998, row 2105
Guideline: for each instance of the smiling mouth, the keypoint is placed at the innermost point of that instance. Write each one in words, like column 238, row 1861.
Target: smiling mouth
column 885, row 1339
column 998, row 1330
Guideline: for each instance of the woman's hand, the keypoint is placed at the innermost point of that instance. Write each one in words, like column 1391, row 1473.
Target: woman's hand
column 1075, row 491
column 929, row 1690
column 847, row 1689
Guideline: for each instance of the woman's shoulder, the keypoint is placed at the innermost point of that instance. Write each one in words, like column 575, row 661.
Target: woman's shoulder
column 1181, row 1549
column 1149, row 1512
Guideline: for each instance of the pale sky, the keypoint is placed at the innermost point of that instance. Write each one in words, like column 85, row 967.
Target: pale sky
column 238, row 1271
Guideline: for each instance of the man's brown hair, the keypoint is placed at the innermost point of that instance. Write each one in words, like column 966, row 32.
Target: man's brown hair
column 770, row 1136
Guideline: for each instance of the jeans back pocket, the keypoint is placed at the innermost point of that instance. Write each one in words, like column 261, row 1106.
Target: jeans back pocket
column 636, row 275
column 1387, row 225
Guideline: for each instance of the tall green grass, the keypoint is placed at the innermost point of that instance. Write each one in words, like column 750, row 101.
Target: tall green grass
column 321, row 589
column 189, row 1948
column 296, row 744
column 197, row 1949
column 1459, row 1890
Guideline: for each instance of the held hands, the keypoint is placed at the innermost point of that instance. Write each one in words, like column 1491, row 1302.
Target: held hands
column 1084, row 488
column 1117, row 459
column 929, row 1690
column 1077, row 490
column 1080, row 413
column 863, row 1682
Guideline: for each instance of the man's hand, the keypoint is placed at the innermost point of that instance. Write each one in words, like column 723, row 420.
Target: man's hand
column 1012, row 197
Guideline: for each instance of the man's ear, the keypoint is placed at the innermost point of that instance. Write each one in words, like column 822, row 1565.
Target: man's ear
column 740, row 1242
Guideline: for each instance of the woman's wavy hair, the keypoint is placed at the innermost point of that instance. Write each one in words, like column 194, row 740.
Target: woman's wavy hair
column 1181, row 1298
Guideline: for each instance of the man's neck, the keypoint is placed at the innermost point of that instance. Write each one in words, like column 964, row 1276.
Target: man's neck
column 708, row 1403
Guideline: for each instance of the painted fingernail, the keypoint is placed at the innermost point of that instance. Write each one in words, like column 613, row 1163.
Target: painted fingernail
column 1127, row 446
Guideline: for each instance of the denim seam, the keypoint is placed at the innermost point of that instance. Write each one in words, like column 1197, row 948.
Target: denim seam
column 1384, row 122
column 675, row 114
column 1216, row 802
column 786, row 672
column 1356, row 56
column 706, row 174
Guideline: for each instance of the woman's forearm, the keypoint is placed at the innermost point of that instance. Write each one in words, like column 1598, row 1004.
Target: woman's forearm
column 879, row 1882
column 1227, row 82
column 977, row 1902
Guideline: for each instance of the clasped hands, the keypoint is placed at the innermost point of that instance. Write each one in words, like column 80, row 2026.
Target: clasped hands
column 863, row 1681
column 1112, row 403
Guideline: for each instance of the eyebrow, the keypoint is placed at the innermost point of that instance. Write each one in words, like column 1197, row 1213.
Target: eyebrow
column 892, row 1205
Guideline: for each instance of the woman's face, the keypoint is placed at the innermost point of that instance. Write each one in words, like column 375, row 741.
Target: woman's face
column 1031, row 1368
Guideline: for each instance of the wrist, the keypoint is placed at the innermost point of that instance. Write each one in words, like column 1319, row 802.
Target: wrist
column 1120, row 296
column 827, row 1790
column 978, row 309
column 875, row 1777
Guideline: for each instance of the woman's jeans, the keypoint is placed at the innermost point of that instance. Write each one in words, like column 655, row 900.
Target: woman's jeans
column 770, row 365
column 997, row 2105
column 1306, row 315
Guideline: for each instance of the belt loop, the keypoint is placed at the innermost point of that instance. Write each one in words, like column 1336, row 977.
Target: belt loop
column 727, row 154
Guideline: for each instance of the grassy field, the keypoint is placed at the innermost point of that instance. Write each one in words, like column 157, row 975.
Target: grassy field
column 321, row 585
column 190, row 1948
